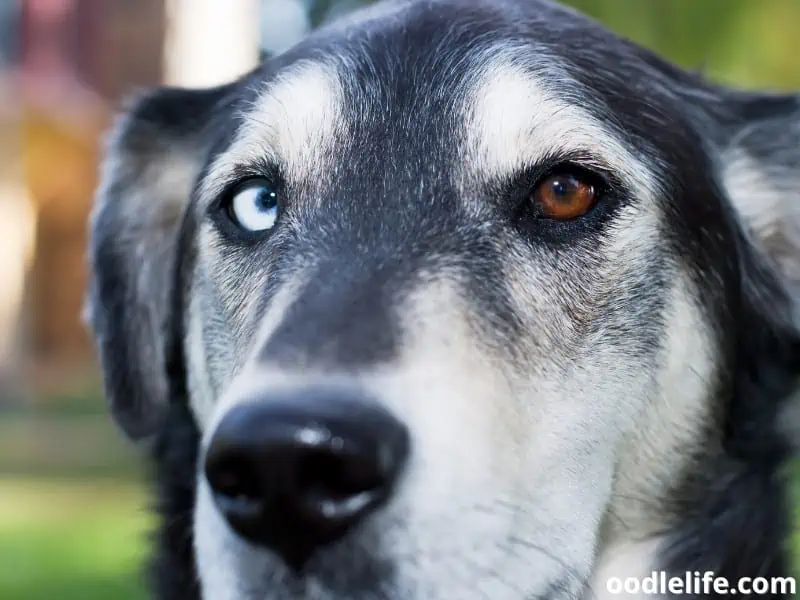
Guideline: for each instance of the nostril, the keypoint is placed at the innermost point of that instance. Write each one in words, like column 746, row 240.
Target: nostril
column 236, row 487
column 336, row 488
column 337, row 475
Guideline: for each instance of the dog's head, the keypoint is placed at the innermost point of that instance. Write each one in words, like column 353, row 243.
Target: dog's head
column 461, row 292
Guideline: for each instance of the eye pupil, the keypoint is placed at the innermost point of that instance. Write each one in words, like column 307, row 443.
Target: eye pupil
column 564, row 196
column 267, row 199
column 253, row 205
column 560, row 187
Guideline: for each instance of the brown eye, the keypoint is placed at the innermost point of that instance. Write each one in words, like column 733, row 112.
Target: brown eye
column 564, row 196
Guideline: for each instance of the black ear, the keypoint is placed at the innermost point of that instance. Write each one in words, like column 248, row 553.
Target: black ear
column 761, row 175
column 153, row 157
column 761, row 172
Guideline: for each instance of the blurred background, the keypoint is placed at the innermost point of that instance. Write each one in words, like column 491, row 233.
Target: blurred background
column 73, row 510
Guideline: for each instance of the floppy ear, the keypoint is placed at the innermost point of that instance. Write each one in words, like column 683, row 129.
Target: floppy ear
column 761, row 174
column 152, row 159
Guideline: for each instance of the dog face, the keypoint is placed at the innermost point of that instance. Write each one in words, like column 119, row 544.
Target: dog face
column 503, row 254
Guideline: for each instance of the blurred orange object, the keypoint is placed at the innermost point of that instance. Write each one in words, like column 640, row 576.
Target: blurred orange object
column 74, row 69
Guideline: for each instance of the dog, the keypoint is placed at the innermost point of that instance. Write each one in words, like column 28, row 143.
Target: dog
column 455, row 299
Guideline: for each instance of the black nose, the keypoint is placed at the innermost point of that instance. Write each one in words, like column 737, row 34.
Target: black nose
column 295, row 472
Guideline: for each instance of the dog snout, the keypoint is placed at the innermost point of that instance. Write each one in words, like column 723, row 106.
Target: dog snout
column 296, row 472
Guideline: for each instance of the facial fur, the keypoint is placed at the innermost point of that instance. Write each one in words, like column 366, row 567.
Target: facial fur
column 585, row 399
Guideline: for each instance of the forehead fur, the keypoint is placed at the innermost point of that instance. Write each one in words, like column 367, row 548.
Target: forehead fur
column 291, row 123
column 520, row 116
column 430, row 75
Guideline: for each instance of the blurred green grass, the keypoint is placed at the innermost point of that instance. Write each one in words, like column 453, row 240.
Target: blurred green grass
column 82, row 539
column 73, row 516
column 74, row 513
column 71, row 539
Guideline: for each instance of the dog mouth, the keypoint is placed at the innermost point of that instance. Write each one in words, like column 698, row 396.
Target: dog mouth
column 367, row 564
column 347, row 576
column 355, row 565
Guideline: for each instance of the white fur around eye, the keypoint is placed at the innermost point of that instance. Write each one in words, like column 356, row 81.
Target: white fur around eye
column 254, row 206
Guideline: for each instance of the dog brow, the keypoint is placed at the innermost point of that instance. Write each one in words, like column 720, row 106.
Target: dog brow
column 515, row 120
column 292, row 123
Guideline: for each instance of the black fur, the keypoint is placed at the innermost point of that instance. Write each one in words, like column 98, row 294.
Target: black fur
column 172, row 570
column 730, row 515
column 735, row 511
column 129, row 314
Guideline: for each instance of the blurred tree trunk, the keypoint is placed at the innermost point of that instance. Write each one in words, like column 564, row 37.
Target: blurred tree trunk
column 210, row 41
column 78, row 58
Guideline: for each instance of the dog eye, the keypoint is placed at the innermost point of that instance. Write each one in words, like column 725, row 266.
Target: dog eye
column 564, row 195
column 254, row 205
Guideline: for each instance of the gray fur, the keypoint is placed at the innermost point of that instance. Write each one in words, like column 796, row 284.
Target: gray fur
column 567, row 388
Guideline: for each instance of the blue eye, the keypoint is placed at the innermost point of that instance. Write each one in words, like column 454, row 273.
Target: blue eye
column 254, row 205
